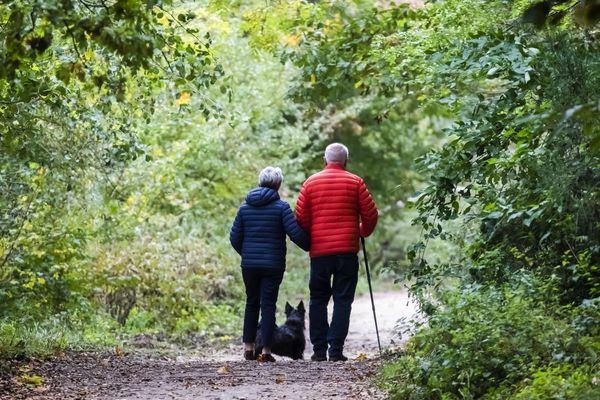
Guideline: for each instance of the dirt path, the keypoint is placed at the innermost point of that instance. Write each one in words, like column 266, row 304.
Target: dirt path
column 222, row 375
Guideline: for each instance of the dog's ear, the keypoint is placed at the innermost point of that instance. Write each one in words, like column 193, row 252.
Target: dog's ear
column 301, row 306
column 288, row 308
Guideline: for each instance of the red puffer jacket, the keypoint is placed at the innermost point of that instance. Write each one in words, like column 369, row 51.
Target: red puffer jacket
column 329, row 208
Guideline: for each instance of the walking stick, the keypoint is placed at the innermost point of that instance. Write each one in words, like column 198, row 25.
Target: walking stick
column 362, row 239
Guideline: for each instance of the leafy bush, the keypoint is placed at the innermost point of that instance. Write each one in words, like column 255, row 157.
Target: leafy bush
column 77, row 87
column 562, row 383
column 484, row 342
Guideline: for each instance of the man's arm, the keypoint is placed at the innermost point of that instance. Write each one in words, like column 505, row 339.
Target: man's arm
column 236, row 235
column 367, row 210
column 303, row 209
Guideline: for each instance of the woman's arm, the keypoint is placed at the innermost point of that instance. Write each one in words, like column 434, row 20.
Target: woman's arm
column 293, row 230
column 236, row 235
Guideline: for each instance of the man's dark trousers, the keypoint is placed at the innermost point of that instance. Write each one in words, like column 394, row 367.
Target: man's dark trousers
column 344, row 270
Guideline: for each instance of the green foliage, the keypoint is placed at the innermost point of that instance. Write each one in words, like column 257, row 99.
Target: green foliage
column 485, row 342
column 561, row 383
column 78, row 83
column 495, row 169
column 335, row 53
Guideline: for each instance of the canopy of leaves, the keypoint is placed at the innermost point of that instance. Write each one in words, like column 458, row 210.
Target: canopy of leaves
column 80, row 81
column 130, row 132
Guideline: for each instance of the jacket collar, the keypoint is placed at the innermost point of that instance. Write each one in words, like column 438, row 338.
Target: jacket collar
column 261, row 195
column 334, row 166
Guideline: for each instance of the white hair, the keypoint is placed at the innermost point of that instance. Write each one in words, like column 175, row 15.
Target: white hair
column 270, row 177
column 336, row 153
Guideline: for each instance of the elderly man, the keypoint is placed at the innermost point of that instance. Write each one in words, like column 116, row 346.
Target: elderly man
column 335, row 208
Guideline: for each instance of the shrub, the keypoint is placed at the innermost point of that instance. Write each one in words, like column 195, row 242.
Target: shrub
column 483, row 342
column 562, row 383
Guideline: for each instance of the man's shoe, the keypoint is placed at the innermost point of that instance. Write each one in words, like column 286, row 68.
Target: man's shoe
column 318, row 357
column 249, row 355
column 265, row 358
column 338, row 357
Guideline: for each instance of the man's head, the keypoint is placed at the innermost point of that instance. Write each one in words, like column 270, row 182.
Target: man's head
column 336, row 153
column 270, row 177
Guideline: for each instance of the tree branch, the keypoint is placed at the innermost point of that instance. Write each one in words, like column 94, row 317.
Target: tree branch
column 70, row 32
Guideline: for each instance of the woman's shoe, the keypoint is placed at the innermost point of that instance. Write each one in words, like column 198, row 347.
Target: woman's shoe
column 265, row 358
column 249, row 355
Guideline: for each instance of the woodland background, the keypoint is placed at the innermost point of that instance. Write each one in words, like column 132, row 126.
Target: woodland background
column 130, row 132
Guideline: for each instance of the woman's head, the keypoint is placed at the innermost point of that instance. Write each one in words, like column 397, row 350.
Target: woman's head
column 270, row 177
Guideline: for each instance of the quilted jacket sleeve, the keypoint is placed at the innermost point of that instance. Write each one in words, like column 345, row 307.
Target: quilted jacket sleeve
column 293, row 230
column 367, row 210
column 236, row 235
column 303, row 209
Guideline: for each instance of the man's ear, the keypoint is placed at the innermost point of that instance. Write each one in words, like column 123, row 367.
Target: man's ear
column 301, row 306
column 288, row 308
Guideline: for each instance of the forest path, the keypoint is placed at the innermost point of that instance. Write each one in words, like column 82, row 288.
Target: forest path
column 223, row 375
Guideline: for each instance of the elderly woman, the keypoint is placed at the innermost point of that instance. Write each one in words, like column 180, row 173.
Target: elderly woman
column 258, row 235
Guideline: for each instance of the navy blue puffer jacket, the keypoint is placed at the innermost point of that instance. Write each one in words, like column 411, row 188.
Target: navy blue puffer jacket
column 259, row 229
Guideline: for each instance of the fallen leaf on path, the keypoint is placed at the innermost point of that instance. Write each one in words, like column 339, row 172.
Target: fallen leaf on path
column 361, row 357
column 224, row 369
column 31, row 380
column 119, row 351
column 279, row 378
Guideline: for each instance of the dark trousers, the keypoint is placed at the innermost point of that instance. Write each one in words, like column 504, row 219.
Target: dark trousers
column 262, row 288
column 343, row 268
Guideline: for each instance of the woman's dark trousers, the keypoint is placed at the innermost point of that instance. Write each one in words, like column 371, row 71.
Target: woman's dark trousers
column 343, row 268
column 262, row 288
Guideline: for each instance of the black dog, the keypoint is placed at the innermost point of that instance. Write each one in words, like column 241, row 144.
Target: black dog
column 288, row 339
